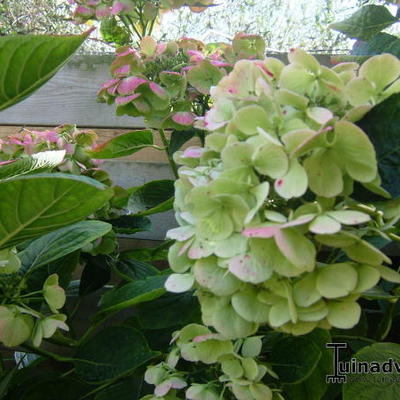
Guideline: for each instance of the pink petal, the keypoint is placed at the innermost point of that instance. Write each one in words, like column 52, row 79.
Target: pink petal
column 193, row 152
column 204, row 338
column 103, row 12
column 157, row 90
column 7, row 162
column 183, row 118
column 109, row 83
column 117, row 8
column 81, row 10
column 125, row 69
column 262, row 232
column 129, row 85
column 217, row 63
column 122, row 100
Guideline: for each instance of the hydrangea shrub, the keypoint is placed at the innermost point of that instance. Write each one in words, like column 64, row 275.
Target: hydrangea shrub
column 270, row 236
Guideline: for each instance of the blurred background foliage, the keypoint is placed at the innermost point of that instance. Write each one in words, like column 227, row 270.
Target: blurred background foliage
column 282, row 23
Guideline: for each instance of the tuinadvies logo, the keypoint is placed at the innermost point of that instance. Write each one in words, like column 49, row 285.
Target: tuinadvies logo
column 354, row 366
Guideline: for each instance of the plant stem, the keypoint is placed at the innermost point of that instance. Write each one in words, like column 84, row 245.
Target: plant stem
column 386, row 324
column 171, row 161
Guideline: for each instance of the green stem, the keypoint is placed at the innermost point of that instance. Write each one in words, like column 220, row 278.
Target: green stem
column 171, row 161
column 47, row 354
column 386, row 324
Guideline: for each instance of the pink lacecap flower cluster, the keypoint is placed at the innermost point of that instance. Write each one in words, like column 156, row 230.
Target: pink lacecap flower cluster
column 99, row 9
column 130, row 85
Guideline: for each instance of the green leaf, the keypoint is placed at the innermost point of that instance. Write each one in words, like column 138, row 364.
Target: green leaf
column 112, row 353
column 370, row 386
column 203, row 76
column 294, row 359
column 123, row 145
column 314, row 387
column 366, row 22
column 37, row 204
column 29, row 61
column 381, row 43
column 133, row 293
column 152, row 197
column 382, row 125
column 127, row 389
column 178, row 139
column 96, row 274
column 40, row 162
column 129, row 224
column 132, row 270
column 168, row 311
column 61, row 242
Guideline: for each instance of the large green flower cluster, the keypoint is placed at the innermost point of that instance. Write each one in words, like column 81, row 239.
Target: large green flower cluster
column 269, row 233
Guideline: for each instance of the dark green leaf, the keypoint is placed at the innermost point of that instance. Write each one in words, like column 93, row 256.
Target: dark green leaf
column 61, row 242
column 34, row 205
column 133, row 293
column 114, row 352
column 370, row 386
column 366, row 22
column 132, row 270
column 129, row 224
column 95, row 275
column 314, row 387
column 123, row 145
column 152, row 197
column 382, row 125
column 29, row 61
column 127, row 389
column 178, row 139
column 381, row 43
column 168, row 311
column 377, row 293
column 40, row 162
column 63, row 267
column 294, row 359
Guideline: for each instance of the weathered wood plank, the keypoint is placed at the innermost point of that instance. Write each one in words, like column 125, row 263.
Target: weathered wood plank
column 70, row 97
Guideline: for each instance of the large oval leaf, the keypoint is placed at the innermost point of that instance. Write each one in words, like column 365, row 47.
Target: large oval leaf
column 37, row 204
column 123, row 145
column 61, row 242
column 112, row 353
column 29, row 61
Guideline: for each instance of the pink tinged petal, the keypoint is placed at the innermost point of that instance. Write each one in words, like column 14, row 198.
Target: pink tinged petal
column 103, row 12
column 122, row 100
column 305, row 219
column 217, row 63
column 188, row 68
column 69, row 148
column 262, row 232
column 112, row 90
column 126, row 52
column 129, row 85
column 171, row 73
column 193, row 152
column 85, row 11
column 93, row 2
column 125, row 69
column 109, row 83
column 161, row 47
column 7, row 162
column 157, row 90
column 117, row 8
column 183, row 118
column 204, row 338
column 163, row 388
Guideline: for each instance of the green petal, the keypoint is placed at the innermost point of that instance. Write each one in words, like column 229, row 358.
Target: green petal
column 231, row 366
column 237, row 154
column 249, row 118
column 356, row 150
column 360, row 92
column 336, row 280
column 249, row 269
column 305, row 291
column 365, row 253
column 247, row 305
column 178, row 261
column 389, row 274
column 325, row 177
column 299, row 250
column 304, row 59
column 314, row 313
column 324, row 225
column 381, row 70
column 216, row 279
column 349, row 217
column 294, row 183
column 368, row 277
column 319, row 115
column 296, row 79
column 232, row 326
column 343, row 314
column 279, row 313
column 271, row 160
column 179, row 283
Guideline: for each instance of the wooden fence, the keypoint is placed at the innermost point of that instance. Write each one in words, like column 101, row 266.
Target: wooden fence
column 70, row 97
